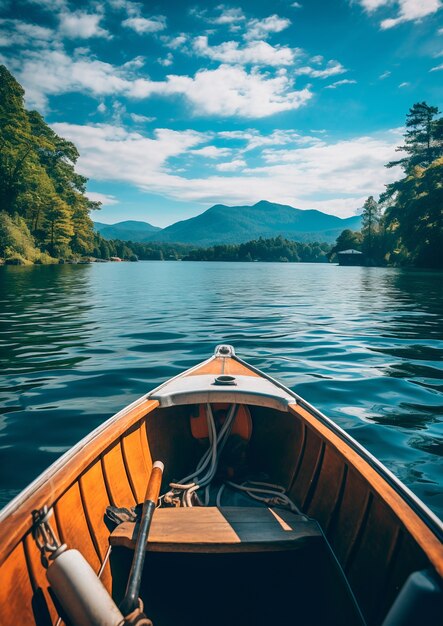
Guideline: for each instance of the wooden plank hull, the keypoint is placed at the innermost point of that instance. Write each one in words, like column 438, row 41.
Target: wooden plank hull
column 379, row 534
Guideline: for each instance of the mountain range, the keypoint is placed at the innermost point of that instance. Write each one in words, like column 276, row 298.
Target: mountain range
column 237, row 224
column 130, row 230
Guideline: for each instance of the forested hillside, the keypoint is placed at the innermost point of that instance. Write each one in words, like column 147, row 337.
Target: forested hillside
column 44, row 211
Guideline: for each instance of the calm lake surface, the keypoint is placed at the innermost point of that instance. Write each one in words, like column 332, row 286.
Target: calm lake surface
column 79, row 342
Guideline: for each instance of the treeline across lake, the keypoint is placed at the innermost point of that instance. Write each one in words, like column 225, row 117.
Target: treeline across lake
column 134, row 251
column 273, row 249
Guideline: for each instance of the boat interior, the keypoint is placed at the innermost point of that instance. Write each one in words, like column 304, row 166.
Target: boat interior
column 244, row 561
column 338, row 554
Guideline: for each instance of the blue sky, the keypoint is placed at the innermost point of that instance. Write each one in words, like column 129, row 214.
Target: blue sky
column 178, row 105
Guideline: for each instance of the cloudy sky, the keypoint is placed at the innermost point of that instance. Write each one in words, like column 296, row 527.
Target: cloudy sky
column 177, row 105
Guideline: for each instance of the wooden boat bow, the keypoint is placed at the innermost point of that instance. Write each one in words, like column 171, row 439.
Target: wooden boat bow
column 379, row 531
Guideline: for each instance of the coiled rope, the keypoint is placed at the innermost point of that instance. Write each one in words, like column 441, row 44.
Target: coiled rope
column 185, row 491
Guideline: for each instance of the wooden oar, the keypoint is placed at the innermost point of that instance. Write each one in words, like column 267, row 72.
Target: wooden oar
column 130, row 601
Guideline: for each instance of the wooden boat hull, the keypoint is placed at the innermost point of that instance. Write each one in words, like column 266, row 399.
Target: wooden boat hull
column 379, row 532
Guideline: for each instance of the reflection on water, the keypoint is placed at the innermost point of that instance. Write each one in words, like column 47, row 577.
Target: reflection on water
column 77, row 343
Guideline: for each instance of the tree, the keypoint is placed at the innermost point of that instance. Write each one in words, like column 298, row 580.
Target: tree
column 415, row 217
column 347, row 240
column 16, row 140
column 423, row 139
column 59, row 226
column 370, row 227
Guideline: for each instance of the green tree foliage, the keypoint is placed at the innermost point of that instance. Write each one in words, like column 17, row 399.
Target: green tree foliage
column 347, row 240
column 15, row 238
column 413, row 216
column 274, row 249
column 423, row 137
column 370, row 224
column 374, row 236
column 38, row 180
column 410, row 231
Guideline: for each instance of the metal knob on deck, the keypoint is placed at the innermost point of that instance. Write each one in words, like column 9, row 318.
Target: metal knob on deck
column 225, row 379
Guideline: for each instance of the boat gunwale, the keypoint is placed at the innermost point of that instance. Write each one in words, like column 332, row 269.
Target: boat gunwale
column 23, row 523
column 67, row 456
column 20, row 517
column 416, row 504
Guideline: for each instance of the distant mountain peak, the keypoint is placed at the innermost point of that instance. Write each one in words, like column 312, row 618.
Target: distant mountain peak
column 236, row 224
column 128, row 230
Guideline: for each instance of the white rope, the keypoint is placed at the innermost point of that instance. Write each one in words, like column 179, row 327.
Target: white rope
column 187, row 488
column 272, row 495
column 207, row 466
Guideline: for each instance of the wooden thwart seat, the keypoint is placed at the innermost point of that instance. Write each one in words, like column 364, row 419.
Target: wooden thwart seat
column 228, row 529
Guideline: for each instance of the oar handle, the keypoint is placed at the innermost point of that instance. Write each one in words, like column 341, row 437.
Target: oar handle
column 155, row 482
column 130, row 601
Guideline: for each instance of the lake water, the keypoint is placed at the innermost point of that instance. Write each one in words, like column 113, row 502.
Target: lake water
column 79, row 342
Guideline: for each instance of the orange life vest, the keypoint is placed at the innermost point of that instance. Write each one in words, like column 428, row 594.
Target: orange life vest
column 241, row 426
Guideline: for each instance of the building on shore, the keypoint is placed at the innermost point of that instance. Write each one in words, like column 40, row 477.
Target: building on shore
column 351, row 257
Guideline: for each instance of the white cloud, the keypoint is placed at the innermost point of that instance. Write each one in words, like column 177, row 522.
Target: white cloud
column 141, row 159
column 296, row 5
column 412, row 10
column 338, row 83
column 254, row 52
column 212, row 152
column 129, row 7
column 142, row 119
column 80, row 25
column 254, row 139
column 175, row 42
column 225, row 91
column 105, row 199
column 437, row 68
column 53, row 72
column 50, row 5
column 373, row 5
column 167, row 60
column 17, row 33
column 231, row 166
column 385, row 75
column 402, row 85
column 261, row 29
column 225, row 16
column 34, row 31
column 102, row 107
column 408, row 10
column 135, row 63
column 230, row 91
column 143, row 25
column 332, row 69
column 343, row 174
column 228, row 16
